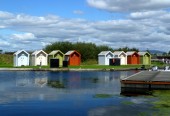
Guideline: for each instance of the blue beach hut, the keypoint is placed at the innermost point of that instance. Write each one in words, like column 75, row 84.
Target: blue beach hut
column 21, row 58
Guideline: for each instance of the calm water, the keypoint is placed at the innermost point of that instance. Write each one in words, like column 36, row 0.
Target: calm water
column 29, row 93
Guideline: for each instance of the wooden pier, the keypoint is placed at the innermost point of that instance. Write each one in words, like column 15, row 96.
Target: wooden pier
column 145, row 81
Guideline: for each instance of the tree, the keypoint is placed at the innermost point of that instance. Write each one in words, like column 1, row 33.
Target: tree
column 125, row 49
column 148, row 51
column 87, row 50
column 169, row 53
column 1, row 51
column 63, row 46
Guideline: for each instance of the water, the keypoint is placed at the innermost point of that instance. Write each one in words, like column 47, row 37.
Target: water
column 36, row 93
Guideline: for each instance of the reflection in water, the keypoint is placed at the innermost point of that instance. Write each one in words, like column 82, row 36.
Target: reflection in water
column 41, row 81
column 57, row 91
column 22, row 81
column 133, row 109
column 56, row 84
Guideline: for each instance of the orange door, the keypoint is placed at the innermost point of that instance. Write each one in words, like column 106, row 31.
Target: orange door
column 129, row 59
column 134, row 59
column 75, row 60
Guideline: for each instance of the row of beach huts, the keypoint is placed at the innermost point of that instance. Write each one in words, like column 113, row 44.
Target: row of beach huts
column 41, row 58
column 122, row 58
column 73, row 58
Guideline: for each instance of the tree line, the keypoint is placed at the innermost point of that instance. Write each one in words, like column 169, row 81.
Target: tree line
column 87, row 50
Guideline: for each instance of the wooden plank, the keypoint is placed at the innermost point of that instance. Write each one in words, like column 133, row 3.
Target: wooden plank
column 163, row 76
column 149, row 76
column 147, row 80
column 143, row 76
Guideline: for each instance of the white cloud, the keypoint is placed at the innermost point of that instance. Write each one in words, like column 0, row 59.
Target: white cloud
column 25, row 36
column 1, row 26
column 4, row 43
column 129, row 5
column 5, row 15
column 147, row 14
column 147, row 29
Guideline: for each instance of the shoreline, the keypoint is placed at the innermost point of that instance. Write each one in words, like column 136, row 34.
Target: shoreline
column 65, row 69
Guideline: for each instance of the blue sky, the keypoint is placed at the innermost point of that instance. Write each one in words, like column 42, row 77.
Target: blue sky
column 33, row 24
column 62, row 8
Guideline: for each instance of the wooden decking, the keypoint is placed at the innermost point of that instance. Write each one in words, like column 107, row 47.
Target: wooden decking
column 146, row 80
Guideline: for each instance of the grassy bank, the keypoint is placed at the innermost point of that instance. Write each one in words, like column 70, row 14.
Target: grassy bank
column 6, row 61
column 102, row 67
column 95, row 66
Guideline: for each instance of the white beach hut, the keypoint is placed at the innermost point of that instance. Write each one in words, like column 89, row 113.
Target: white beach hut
column 21, row 58
column 122, row 55
column 104, row 57
column 39, row 58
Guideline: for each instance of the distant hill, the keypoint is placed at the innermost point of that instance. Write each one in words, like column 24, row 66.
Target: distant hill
column 156, row 52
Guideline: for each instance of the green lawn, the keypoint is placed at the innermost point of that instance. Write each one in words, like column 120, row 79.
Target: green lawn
column 95, row 66
column 6, row 66
column 6, row 61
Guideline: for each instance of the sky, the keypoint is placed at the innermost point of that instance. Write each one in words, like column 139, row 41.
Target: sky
column 33, row 24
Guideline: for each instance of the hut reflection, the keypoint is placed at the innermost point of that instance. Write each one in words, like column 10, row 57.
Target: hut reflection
column 23, row 80
column 41, row 82
column 74, row 80
column 56, row 82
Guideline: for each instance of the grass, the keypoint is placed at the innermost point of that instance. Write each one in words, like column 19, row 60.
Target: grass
column 163, row 102
column 6, row 66
column 159, row 64
column 89, row 62
column 92, row 66
column 6, row 61
column 11, row 66
column 95, row 66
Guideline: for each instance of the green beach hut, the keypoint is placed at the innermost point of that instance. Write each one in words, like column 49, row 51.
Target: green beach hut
column 57, row 54
column 145, row 58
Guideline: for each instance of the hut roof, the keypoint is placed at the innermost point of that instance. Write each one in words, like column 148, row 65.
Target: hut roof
column 69, row 52
column 19, row 51
column 143, row 53
column 55, row 52
column 103, row 53
column 38, row 51
column 118, row 52
column 130, row 52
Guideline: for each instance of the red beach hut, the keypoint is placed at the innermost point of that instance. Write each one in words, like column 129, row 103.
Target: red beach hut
column 73, row 58
column 133, row 57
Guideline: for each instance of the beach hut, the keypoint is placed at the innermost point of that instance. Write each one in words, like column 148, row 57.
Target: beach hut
column 39, row 58
column 21, row 58
column 122, row 55
column 133, row 57
column 73, row 58
column 57, row 54
column 104, row 57
column 145, row 58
